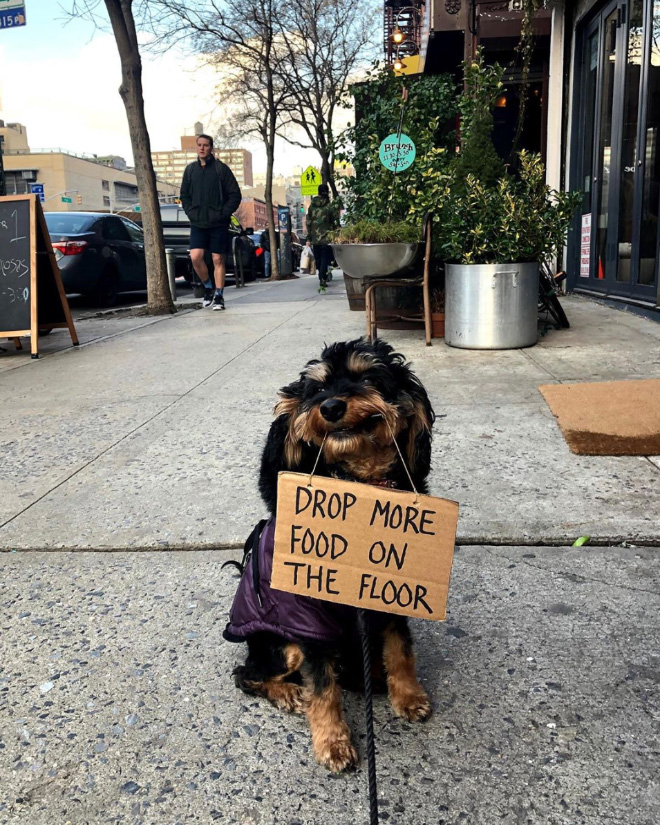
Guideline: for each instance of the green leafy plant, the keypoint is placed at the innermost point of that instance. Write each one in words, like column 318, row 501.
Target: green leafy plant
column 477, row 156
column 368, row 231
column 375, row 193
column 514, row 221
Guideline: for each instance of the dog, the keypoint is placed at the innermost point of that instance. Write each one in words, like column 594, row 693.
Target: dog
column 351, row 405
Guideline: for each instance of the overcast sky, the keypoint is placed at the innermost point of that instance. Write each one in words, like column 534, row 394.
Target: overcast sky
column 60, row 81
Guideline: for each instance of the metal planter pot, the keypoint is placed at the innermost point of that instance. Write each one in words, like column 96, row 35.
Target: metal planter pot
column 374, row 260
column 491, row 306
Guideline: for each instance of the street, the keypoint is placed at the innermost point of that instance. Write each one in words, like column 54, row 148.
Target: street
column 129, row 475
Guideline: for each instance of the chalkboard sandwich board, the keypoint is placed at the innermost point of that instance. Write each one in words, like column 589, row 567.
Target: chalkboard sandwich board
column 32, row 296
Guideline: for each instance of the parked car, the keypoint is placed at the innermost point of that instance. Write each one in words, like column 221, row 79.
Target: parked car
column 176, row 234
column 98, row 255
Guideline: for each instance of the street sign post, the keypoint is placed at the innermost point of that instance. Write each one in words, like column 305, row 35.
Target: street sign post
column 67, row 200
column 12, row 13
column 38, row 189
column 310, row 181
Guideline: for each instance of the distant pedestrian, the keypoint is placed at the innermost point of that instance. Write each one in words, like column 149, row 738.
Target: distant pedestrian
column 322, row 220
column 209, row 195
column 307, row 258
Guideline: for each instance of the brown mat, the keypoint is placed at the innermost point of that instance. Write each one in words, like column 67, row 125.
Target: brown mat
column 609, row 418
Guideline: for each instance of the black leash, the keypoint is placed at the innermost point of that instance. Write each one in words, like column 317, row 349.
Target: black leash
column 363, row 624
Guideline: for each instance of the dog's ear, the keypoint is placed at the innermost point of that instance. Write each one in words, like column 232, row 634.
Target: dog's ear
column 417, row 437
column 281, row 451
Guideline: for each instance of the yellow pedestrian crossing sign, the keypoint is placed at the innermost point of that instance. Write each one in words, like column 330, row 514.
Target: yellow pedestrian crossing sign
column 310, row 181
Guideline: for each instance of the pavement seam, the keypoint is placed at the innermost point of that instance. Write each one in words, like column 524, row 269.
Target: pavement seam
column 153, row 417
column 572, row 575
column 224, row 547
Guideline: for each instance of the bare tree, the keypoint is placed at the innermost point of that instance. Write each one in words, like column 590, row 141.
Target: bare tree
column 326, row 42
column 122, row 20
column 241, row 40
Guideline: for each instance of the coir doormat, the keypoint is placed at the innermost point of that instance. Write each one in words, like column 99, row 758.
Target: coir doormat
column 608, row 418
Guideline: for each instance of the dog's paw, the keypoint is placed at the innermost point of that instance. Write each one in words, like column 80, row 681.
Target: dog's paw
column 287, row 696
column 415, row 707
column 337, row 756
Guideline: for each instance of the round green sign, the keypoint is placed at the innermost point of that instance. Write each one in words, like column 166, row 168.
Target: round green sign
column 397, row 152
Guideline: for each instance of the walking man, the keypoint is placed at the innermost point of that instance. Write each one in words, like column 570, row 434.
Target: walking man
column 209, row 195
column 322, row 220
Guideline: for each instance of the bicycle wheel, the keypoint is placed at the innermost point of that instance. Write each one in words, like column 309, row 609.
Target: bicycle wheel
column 548, row 300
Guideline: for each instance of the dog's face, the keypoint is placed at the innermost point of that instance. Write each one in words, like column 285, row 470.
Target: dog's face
column 355, row 401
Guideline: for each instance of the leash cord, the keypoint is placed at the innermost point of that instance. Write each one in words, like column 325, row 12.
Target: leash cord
column 363, row 623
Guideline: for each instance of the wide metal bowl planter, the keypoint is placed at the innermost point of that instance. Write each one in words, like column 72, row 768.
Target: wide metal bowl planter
column 374, row 260
column 491, row 306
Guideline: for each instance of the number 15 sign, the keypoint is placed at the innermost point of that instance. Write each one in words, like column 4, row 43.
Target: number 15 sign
column 12, row 13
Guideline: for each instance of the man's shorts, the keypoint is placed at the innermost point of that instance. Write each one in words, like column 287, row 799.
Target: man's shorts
column 213, row 238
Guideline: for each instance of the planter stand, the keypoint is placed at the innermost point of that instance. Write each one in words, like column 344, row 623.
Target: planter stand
column 423, row 281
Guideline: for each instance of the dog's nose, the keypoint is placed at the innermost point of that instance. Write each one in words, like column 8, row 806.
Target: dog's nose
column 333, row 409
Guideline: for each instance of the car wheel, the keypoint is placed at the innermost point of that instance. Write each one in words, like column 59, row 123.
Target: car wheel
column 107, row 289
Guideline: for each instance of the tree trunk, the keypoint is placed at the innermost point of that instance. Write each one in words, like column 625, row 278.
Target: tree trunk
column 268, row 197
column 159, row 299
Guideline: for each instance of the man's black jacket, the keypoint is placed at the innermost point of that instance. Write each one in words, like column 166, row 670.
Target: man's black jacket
column 209, row 193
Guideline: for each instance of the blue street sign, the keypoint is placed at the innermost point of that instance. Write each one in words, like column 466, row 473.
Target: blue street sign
column 38, row 189
column 12, row 13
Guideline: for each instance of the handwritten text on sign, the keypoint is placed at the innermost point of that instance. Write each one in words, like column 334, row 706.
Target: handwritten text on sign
column 362, row 545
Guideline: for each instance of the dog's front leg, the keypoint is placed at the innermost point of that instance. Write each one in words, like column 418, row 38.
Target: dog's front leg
column 407, row 696
column 331, row 736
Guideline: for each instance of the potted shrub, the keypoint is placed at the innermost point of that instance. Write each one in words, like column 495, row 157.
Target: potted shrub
column 495, row 229
column 382, row 224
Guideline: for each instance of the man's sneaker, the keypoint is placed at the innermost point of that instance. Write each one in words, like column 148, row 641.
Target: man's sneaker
column 218, row 302
column 322, row 286
column 208, row 297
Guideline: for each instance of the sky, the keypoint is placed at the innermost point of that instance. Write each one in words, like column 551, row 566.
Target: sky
column 60, row 80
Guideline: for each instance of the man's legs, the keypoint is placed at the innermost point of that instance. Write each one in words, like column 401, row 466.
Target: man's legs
column 321, row 263
column 202, row 272
column 219, row 272
column 266, row 263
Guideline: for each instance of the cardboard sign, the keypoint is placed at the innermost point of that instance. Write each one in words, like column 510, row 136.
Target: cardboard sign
column 362, row 545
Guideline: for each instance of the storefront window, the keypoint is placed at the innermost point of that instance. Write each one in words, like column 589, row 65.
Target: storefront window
column 633, row 69
column 651, row 186
column 605, row 153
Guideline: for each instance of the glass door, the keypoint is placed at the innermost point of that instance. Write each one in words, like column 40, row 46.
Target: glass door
column 618, row 163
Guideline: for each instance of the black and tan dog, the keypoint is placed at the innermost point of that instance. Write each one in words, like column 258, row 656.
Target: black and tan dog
column 355, row 401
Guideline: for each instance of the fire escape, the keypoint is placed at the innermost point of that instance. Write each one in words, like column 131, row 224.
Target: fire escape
column 403, row 28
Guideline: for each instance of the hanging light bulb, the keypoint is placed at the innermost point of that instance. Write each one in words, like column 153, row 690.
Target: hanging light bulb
column 398, row 65
column 397, row 35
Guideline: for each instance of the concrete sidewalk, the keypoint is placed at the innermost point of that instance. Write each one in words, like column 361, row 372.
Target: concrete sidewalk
column 116, row 700
column 149, row 434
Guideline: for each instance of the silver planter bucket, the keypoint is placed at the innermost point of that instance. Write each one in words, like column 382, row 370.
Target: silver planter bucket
column 491, row 306
column 374, row 260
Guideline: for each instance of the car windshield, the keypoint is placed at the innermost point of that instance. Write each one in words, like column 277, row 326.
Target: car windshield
column 59, row 223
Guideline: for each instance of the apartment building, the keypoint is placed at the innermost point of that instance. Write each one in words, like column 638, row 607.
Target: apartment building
column 71, row 182
column 170, row 165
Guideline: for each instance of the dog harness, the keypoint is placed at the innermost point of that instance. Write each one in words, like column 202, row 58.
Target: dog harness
column 257, row 608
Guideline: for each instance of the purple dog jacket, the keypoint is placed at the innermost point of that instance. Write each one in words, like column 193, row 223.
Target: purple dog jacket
column 257, row 608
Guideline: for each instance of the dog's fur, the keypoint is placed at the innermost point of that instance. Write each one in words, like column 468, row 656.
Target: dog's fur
column 360, row 397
